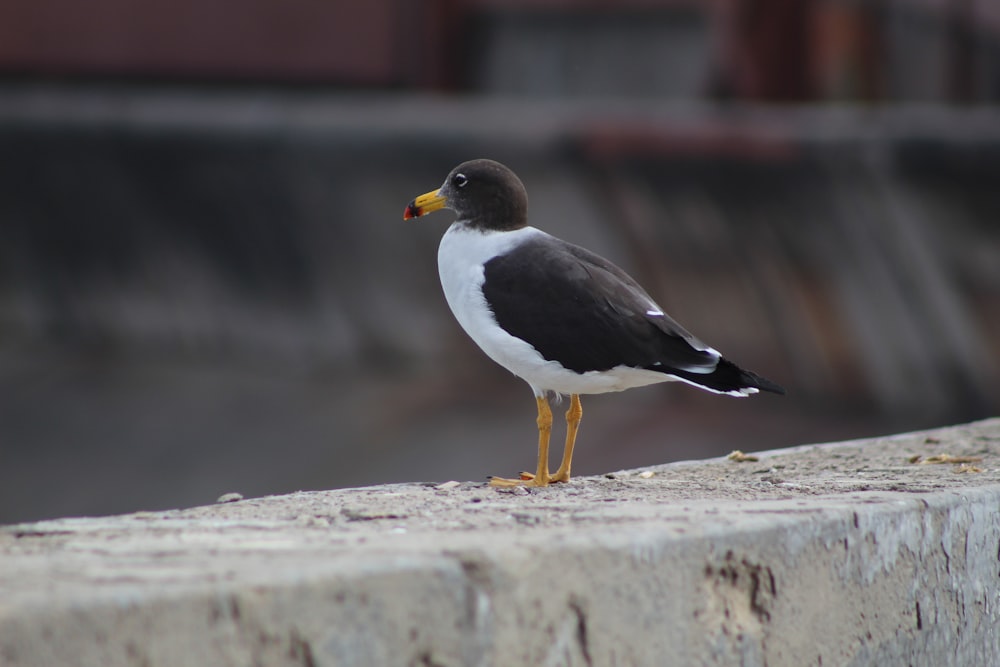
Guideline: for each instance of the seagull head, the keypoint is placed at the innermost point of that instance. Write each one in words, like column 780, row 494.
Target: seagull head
column 482, row 193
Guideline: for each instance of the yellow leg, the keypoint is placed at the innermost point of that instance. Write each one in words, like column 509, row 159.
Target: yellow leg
column 573, row 417
column 541, row 476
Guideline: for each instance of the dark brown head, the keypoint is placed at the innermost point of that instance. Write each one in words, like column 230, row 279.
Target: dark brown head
column 483, row 193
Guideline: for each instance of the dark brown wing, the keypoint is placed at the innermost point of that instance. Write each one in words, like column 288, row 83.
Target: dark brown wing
column 584, row 312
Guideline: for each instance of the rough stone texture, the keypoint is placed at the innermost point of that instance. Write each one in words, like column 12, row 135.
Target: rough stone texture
column 840, row 554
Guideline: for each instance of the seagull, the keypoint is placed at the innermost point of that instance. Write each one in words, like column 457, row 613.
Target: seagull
column 556, row 315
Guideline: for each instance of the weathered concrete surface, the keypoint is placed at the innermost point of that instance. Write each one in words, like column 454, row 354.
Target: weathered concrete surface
column 840, row 554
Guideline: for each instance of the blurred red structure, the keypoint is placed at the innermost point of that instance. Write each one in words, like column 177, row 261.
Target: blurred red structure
column 761, row 50
column 372, row 43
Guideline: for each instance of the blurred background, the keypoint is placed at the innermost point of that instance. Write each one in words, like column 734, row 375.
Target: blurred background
column 206, row 285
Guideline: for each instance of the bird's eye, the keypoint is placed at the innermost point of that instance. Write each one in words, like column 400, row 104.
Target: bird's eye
column 459, row 180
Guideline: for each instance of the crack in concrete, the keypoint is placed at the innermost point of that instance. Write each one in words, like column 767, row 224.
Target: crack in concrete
column 582, row 636
column 426, row 659
column 478, row 582
column 300, row 649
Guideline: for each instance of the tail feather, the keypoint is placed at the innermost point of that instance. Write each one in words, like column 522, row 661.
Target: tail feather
column 728, row 378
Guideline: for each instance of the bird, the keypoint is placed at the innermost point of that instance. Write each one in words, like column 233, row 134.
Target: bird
column 560, row 317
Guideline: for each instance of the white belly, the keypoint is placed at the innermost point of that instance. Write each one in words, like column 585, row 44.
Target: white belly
column 460, row 264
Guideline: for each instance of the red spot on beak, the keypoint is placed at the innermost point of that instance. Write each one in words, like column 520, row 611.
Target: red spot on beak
column 412, row 210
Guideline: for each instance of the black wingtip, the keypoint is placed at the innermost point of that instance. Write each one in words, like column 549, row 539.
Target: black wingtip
column 762, row 383
column 750, row 379
column 729, row 378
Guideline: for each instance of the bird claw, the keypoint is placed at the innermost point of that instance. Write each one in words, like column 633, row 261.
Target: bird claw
column 529, row 477
column 558, row 478
column 504, row 483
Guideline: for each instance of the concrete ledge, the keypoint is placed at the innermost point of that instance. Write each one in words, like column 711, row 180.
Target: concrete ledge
column 840, row 554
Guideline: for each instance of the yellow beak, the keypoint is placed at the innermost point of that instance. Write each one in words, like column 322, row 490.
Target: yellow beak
column 424, row 204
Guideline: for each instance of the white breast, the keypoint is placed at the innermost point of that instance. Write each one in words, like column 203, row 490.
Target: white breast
column 461, row 256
